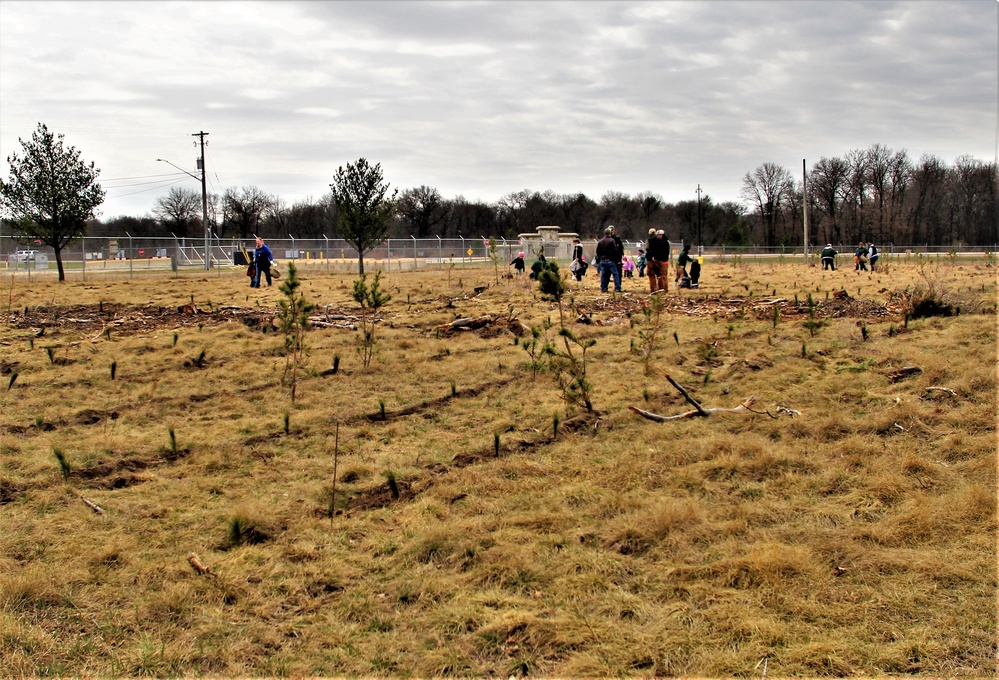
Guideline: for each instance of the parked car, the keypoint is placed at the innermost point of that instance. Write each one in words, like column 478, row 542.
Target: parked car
column 23, row 256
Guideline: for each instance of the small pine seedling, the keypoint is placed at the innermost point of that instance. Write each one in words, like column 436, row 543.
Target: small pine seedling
column 175, row 337
column 236, row 531
column 10, row 383
column 393, row 486
column 555, row 424
column 381, row 408
column 64, row 466
column 287, row 423
column 173, row 441
column 863, row 332
column 51, row 353
column 114, row 369
column 496, row 444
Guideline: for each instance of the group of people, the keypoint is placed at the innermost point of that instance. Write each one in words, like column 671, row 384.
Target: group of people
column 865, row 253
column 613, row 265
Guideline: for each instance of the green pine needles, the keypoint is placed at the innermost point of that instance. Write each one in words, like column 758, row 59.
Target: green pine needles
column 293, row 315
column 371, row 298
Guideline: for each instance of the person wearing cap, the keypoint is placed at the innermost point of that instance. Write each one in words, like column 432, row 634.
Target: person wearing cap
column 606, row 259
column 640, row 262
column 657, row 254
column 518, row 264
column 829, row 257
column 619, row 261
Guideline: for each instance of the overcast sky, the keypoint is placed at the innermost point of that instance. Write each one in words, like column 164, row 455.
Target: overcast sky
column 481, row 99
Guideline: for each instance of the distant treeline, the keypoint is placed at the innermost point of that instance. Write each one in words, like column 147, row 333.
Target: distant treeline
column 874, row 194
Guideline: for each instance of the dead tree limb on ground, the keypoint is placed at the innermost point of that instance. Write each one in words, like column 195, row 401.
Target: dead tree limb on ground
column 942, row 389
column 93, row 506
column 699, row 411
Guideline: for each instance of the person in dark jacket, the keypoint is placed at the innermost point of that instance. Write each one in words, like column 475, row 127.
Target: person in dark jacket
column 860, row 258
column 262, row 259
column 682, row 260
column 579, row 264
column 538, row 265
column 619, row 244
column 606, row 259
column 657, row 255
column 829, row 257
column 518, row 264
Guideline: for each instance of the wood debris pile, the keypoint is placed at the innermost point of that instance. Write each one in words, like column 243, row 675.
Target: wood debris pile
column 486, row 326
column 759, row 308
column 125, row 319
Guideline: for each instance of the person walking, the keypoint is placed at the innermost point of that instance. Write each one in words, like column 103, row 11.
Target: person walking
column 606, row 258
column 642, row 261
column 829, row 257
column 262, row 258
column 657, row 255
column 579, row 265
column 518, row 264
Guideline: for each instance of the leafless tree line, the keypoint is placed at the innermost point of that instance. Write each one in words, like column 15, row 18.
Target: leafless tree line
column 876, row 194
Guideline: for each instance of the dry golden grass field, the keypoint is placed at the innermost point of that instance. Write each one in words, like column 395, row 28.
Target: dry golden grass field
column 445, row 511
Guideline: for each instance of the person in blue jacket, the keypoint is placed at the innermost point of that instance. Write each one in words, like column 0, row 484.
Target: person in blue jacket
column 262, row 259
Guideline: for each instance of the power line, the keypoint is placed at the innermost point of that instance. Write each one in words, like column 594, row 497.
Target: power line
column 115, row 179
column 139, row 184
column 142, row 191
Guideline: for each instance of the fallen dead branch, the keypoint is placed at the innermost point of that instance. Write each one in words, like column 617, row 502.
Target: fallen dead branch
column 699, row 411
column 93, row 506
column 942, row 389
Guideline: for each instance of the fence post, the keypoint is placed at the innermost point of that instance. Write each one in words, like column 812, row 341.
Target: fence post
column 83, row 268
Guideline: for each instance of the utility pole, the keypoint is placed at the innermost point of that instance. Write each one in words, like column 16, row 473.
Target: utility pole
column 204, row 201
column 700, row 243
column 804, row 204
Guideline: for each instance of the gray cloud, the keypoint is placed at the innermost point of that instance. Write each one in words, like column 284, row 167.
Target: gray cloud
column 485, row 98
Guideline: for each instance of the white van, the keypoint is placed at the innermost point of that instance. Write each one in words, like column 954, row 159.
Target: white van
column 23, row 256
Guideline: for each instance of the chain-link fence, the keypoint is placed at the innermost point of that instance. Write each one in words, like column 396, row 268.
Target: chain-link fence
column 132, row 255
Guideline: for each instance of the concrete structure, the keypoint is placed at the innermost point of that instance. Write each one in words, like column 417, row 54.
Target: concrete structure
column 555, row 244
